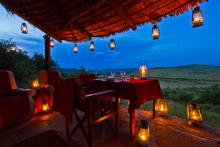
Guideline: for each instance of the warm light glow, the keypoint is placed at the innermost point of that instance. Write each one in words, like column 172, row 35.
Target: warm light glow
column 52, row 43
column 35, row 83
column 24, row 28
column 112, row 44
column 161, row 106
column 144, row 133
column 75, row 49
column 143, row 71
column 155, row 32
column 45, row 107
column 92, row 46
column 197, row 18
column 194, row 113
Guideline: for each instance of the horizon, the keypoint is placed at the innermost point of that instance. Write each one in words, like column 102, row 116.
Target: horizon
column 179, row 43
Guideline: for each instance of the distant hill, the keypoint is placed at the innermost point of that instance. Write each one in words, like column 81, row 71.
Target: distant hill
column 180, row 76
column 187, row 75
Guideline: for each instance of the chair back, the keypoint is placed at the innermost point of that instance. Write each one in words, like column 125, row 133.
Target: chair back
column 51, row 77
column 7, row 82
column 87, row 77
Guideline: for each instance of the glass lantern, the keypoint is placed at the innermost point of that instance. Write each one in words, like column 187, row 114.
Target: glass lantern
column 194, row 114
column 161, row 106
column 52, row 43
column 45, row 106
column 92, row 46
column 197, row 19
column 75, row 49
column 24, row 28
column 35, row 83
column 112, row 44
column 143, row 71
column 155, row 32
column 143, row 133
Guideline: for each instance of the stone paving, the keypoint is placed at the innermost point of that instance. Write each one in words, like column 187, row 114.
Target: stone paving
column 168, row 131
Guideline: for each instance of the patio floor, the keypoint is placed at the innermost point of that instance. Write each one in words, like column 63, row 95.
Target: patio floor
column 165, row 132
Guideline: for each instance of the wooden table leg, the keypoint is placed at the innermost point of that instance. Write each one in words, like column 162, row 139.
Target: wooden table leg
column 132, row 123
column 154, row 101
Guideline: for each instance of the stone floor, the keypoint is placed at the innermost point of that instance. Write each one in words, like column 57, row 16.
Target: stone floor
column 166, row 131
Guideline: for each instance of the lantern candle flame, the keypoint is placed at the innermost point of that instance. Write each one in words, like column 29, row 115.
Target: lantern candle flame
column 35, row 83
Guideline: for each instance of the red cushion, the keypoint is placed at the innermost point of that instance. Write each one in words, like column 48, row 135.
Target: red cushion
column 7, row 82
column 14, row 109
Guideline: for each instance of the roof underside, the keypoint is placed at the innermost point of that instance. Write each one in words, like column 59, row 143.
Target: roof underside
column 79, row 20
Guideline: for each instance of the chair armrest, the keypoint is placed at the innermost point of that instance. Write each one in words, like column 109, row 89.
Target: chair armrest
column 24, row 92
column 102, row 93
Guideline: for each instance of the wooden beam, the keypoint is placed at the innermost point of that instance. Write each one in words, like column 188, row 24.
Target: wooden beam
column 119, row 9
column 81, row 12
column 62, row 15
column 47, row 52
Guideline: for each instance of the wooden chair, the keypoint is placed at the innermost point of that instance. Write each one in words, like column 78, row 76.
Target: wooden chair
column 97, row 107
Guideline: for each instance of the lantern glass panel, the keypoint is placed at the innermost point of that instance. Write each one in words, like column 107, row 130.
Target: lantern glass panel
column 112, row 44
column 75, row 49
column 92, row 46
column 52, row 43
column 24, row 28
column 35, row 83
column 197, row 18
column 143, row 71
column 45, row 107
column 194, row 113
column 161, row 106
column 143, row 133
column 155, row 32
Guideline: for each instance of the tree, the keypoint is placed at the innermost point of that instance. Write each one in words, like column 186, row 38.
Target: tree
column 24, row 68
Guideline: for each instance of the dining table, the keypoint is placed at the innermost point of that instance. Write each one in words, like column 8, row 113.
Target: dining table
column 137, row 91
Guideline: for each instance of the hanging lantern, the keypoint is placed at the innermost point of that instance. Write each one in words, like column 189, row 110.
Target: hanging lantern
column 161, row 106
column 75, row 49
column 52, row 43
column 155, row 32
column 143, row 133
column 92, row 47
column 24, row 28
column 112, row 44
column 35, row 83
column 143, row 71
column 197, row 18
column 194, row 114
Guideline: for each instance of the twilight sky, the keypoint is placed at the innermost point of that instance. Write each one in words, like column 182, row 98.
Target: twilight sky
column 179, row 44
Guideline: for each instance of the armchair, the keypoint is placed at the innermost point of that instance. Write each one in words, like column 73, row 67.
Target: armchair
column 16, row 104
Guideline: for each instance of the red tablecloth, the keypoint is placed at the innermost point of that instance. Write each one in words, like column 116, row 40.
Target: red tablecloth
column 137, row 91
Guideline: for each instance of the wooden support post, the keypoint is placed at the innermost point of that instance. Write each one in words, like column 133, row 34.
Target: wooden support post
column 154, row 113
column 47, row 52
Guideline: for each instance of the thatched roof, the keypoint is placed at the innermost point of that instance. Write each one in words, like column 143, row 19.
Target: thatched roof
column 79, row 20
